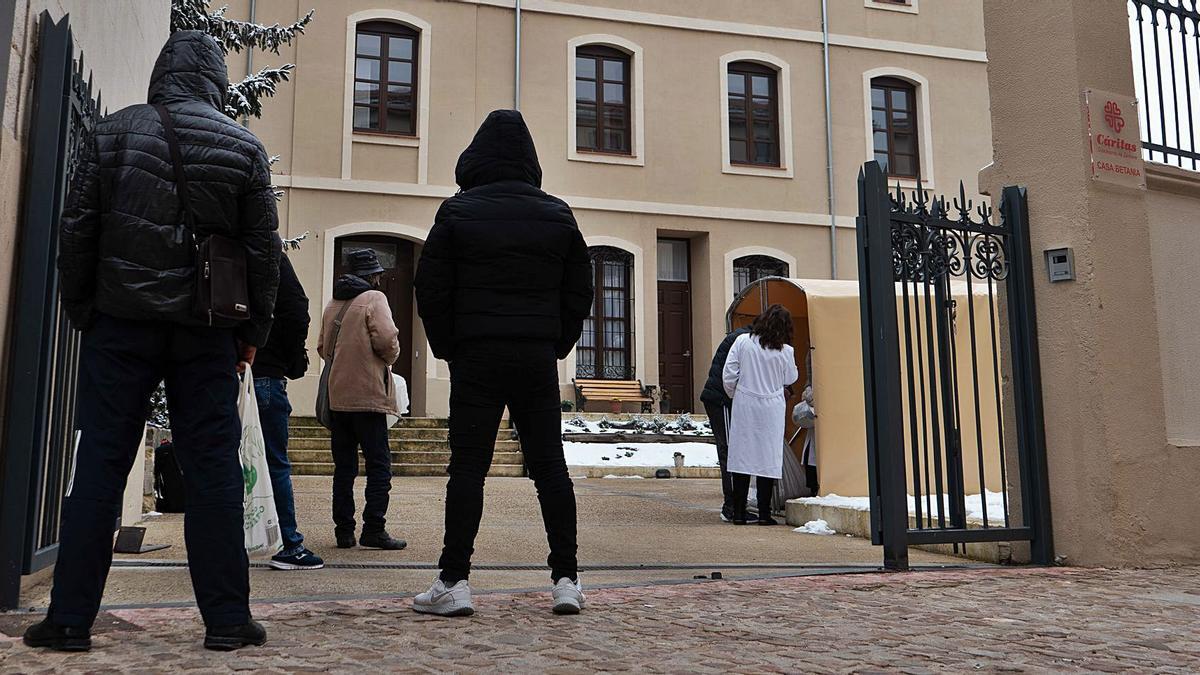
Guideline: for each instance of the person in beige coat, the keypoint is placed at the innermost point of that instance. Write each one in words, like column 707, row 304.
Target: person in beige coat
column 359, row 336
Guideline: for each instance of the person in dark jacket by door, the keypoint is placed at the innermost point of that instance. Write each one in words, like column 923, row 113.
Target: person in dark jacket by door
column 717, row 405
column 504, row 285
column 284, row 358
column 126, row 276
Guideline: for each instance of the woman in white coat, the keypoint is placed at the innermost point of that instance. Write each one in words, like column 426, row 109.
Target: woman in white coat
column 761, row 365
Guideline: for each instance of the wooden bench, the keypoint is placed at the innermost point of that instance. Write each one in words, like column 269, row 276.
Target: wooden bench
column 603, row 392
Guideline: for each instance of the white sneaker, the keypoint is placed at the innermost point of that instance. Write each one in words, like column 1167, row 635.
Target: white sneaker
column 443, row 601
column 568, row 596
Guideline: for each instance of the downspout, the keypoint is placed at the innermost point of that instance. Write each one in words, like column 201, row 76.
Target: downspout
column 517, row 62
column 249, row 60
column 833, row 258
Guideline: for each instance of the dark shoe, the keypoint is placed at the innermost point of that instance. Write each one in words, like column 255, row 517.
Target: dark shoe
column 767, row 521
column 303, row 559
column 229, row 638
column 382, row 540
column 58, row 638
column 726, row 515
column 345, row 540
column 740, row 518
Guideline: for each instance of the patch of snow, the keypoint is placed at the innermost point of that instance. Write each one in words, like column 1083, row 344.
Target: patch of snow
column 151, row 514
column 611, row 475
column 639, row 454
column 974, row 505
column 815, row 527
column 683, row 425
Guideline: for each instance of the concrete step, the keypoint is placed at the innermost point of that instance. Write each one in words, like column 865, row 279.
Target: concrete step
column 404, row 423
column 323, row 456
column 408, row 445
column 396, row 434
column 326, row 469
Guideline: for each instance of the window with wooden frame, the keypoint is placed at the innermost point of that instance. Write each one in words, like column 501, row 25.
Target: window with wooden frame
column 894, row 126
column 753, row 114
column 385, row 78
column 602, row 100
column 605, row 350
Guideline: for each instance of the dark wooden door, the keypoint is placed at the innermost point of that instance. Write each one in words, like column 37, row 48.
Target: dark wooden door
column 675, row 326
column 396, row 258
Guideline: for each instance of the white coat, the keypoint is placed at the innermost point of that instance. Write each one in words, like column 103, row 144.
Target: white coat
column 755, row 377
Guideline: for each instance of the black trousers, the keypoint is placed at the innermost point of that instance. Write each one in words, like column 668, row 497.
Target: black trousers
column 741, row 489
column 120, row 365
column 484, row 378
column 368, row 430
column 716, row 419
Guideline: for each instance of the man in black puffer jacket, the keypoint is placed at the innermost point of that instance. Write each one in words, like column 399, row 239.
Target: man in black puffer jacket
column 718, row 405
column 504, row 285
column 127, row 280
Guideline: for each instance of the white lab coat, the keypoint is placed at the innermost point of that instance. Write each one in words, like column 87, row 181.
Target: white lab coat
column 755, row 377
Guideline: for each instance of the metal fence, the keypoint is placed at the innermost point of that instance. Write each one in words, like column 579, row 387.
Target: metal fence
column 37, row 446
column 1165, row 40
column 940, row 282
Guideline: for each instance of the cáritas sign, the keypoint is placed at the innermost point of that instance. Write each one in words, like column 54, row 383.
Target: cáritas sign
column 1113, row 141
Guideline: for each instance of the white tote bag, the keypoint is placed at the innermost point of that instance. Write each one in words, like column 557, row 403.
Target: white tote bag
column 401, row 399
column 260, row 521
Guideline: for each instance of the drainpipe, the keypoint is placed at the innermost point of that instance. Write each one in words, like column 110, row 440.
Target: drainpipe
column 517, row 62
column 249, row 60
column 833, row 264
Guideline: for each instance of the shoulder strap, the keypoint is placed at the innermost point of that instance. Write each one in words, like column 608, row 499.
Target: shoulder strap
column 181, row 184
column 337, row 329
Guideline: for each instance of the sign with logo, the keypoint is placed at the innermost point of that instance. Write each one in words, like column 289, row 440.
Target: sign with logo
column 1113, row 138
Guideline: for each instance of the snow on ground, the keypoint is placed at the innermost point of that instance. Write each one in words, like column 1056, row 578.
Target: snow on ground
column 682, row 425
column 639, row 454
column 815, row 527
column 995, row 505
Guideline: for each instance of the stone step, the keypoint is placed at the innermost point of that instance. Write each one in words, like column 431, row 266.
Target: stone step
column 443, row 458
column 398, row 445
column 403, row 423
column 326, row 469
column 397, row 434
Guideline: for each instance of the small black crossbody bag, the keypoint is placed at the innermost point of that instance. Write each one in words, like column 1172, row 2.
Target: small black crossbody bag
column 221, row 297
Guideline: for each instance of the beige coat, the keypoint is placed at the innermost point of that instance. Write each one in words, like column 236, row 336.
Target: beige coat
column 361, row 377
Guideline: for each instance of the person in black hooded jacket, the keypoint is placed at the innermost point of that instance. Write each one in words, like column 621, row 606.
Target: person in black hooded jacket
column 126, row 267
column 503, row 286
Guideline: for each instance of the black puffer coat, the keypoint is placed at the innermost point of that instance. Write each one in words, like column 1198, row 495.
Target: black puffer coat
column 284, row 355
column 121, row 252
column 504, row 260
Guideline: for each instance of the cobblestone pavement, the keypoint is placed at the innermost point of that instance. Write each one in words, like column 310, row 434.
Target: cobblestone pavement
column 962, row 620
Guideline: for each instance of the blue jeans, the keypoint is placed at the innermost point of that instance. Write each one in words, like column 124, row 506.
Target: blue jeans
column 273, row 412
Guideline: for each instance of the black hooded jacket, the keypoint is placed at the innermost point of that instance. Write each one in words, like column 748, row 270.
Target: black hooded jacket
column 504, row 260
column 284, row 355
column 121, row 252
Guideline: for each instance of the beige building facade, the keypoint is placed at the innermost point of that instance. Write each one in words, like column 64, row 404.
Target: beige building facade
column 637, row 109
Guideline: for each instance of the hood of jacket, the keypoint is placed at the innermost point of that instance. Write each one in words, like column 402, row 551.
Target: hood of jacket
column 190, row 67
column 349, row 286
column 501, row 150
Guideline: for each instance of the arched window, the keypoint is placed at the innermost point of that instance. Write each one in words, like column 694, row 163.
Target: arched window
column 605, row 349
column 749, row 269
column 385, row 78
column 753, row 114
column 603, row 119
column 894, row 126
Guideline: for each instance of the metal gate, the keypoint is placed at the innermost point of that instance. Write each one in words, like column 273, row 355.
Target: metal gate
column 36, row 453
column 939, row 282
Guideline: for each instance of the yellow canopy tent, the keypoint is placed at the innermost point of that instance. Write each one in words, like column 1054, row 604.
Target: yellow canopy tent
column 826, row 316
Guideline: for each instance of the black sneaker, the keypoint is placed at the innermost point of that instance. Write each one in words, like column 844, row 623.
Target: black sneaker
column 382, row 540
column 345, row 540
column 59, row 638
column 229, row 638
column 726, row 515
column 303, row 559
column 767, row 520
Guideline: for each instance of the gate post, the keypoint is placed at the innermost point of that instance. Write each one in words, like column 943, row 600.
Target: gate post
column 1027, row 378
column 881, row 372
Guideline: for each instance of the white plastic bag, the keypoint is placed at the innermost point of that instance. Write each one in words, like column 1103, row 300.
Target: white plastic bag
column 260, row 521
column 401, row 399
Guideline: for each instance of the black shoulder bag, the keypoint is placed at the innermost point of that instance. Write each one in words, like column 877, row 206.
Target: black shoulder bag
column 221, row 297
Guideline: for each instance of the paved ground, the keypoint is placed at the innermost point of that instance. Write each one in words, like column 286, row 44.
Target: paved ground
column 623, row 523
column 964, row 620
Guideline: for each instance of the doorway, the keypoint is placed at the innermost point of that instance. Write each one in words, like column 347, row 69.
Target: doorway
column 396, row 256
column 675, row 323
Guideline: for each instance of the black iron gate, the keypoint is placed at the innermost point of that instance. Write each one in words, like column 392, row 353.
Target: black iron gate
column 938, row 281
column 37, row 451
